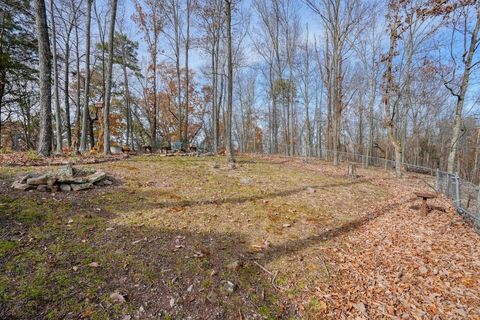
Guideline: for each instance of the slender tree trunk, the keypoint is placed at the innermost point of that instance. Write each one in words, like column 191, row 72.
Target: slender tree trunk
column 2, row 92
column 187, row 75
column 176, row 25
column 476, row 164
column 214, row 102
column 86, row 112
column 68, row 125
column 457, row 121
column 58, row 117
column 106, row 114
column 127, row 98
column 91, row 123
column 228, row 124
column 76, row 144
column 44, row 147
column 307, row 99
column 389, row 87
column 153, row 128
column 2, row 81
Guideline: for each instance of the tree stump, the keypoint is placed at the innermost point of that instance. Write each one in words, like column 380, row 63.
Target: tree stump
column 352, row 171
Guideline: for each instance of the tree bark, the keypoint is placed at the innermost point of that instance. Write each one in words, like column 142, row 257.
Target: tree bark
column 187, row 75
column 106, row 113
column 127, row 100
column 58, row 117
column 76, row 142
column 68, row 125
column 86, row 112
column 228, row 124
column 457, row 121
column 176, row 26
column 44, row 147
column 389, row 117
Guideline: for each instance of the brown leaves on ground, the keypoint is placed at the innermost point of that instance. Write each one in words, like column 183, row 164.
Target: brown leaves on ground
column 277, row 238
column 403, row 265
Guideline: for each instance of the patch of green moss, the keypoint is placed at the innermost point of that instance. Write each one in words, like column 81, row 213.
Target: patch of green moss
column 315, row 306
column 4, row 284
column 6, row 246
column 266, row 312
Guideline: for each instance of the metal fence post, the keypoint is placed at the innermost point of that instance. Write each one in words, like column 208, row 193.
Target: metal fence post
column 478, row 201
column 437, row 181
column 447, row 191
column 457, row 190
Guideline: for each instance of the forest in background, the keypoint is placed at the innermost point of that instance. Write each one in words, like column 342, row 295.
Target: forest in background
column 395, row 80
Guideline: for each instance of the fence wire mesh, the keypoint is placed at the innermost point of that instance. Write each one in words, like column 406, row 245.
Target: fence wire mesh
column 464, row 194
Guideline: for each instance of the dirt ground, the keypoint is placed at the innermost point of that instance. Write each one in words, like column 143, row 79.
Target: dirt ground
column 275, row 238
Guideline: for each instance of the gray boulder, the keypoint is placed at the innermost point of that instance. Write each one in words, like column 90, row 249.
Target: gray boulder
column 65, row 187
column 81, row 186
column 35, row 181
column 20, row 186
column 97, row 176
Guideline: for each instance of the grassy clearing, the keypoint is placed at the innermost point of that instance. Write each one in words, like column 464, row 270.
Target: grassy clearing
column 173, row 236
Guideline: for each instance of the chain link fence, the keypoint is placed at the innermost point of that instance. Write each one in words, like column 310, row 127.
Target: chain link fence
column 464, row 194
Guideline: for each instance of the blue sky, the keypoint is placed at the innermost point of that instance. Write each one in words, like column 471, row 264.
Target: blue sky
column 197, row 60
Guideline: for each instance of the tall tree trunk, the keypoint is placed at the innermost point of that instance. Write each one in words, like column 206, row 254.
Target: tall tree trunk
column 44, row 147
column 58, row 117
column 476, row 163
column 228, row 124
column 214, row 100
column 176, row 25
column 2, row 92
column 307, row 99
column 128, row 113
column 153, row 127
column 389, row 87
column 86, row 112
column 106, row 114
column 76, row 144
column 187, row 75
column 457, row 121
column 68, row 125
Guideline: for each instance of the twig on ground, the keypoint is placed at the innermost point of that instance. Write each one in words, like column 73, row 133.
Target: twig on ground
column 325, row 266
column 273, row 281
column 263, row 268
column 273, row 275
column 240, row 316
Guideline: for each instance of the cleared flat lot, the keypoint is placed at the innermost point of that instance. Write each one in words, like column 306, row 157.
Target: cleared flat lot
column 273, row 238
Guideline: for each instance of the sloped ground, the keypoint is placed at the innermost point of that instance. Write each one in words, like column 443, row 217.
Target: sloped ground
column 275, row 238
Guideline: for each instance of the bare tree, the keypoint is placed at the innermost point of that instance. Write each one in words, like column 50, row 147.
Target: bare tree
column 228, row 122
column 86, row 112
column 44, row 147
column 58, row 117
column 459, row 91
column 187, row 71
column 394, row 21
column 78, row 115
column 341, row 20
column 149, row 17
column 106, row 113
column 211, row 13
column 68, row 26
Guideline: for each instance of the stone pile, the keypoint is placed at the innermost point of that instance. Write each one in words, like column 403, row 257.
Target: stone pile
column 66, row 179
